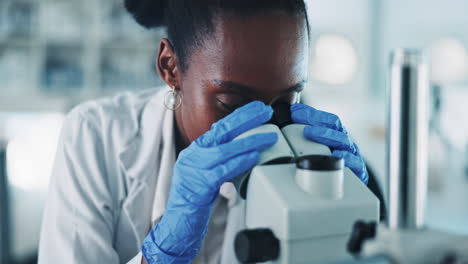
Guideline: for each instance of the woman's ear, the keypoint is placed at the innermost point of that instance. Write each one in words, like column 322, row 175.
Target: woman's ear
column 166, row 64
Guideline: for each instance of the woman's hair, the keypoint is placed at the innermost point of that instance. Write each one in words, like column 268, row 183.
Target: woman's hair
column 188, row 22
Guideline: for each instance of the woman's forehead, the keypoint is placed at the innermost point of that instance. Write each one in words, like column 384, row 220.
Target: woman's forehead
column 273, row 46
column 260, row 35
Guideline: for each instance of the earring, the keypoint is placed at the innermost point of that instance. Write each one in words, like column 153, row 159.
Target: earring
column 173, row 99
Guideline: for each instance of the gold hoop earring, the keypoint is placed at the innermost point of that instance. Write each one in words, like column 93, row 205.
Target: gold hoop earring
column 173, row 99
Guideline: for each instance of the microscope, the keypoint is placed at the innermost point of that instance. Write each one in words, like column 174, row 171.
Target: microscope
column 303, row 206
column 301, row 202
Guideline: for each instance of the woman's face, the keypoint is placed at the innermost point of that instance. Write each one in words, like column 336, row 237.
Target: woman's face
column 263, row 57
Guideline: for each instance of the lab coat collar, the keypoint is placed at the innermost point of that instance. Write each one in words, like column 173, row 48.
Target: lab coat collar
column 140, row 157
column 141, row 162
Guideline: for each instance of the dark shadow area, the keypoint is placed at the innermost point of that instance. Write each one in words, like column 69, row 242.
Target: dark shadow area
column 376, row 189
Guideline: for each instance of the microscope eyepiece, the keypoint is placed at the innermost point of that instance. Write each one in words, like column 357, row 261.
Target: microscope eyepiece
column 281, row 114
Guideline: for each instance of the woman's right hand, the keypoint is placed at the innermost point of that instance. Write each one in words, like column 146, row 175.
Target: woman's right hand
column 200, row 170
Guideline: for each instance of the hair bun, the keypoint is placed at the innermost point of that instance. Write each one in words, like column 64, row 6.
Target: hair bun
column 148, row 13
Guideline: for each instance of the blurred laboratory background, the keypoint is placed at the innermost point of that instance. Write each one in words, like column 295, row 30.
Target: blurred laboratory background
column 55, row 54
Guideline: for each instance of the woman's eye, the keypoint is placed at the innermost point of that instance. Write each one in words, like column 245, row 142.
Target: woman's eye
column 226, row 106
column 229, row 103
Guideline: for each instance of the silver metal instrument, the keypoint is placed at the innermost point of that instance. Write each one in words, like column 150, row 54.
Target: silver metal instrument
column 403, row 239
column 408, row 137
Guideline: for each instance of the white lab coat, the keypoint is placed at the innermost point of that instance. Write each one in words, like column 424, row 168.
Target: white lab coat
column 110, row 185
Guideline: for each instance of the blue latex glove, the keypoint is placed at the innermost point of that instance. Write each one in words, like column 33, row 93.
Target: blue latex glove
column 199, row 172
column 326, row 128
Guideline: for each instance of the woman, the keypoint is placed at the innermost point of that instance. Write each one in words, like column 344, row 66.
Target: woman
column 139, row 174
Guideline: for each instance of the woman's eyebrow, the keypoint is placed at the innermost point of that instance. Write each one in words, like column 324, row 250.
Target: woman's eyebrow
column 295, row 88
column 235, row 86
column 252, row 90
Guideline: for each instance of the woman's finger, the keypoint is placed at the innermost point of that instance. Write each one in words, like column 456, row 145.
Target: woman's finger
column 206, row 158
column 199, row 187
column 236, row 166
column 241, row 120
column 353, row 162
column 307, row 115
column 329, row 137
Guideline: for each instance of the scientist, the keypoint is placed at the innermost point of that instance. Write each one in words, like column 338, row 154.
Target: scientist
column 142, row 177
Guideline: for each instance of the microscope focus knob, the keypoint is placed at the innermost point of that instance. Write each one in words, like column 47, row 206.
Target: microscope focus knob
column 362, row 231
column 256, row 245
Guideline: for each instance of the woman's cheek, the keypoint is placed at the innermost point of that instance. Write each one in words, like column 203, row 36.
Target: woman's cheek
column 203, row 120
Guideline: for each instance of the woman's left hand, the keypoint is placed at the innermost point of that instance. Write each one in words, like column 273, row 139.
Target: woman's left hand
column 326, row 128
